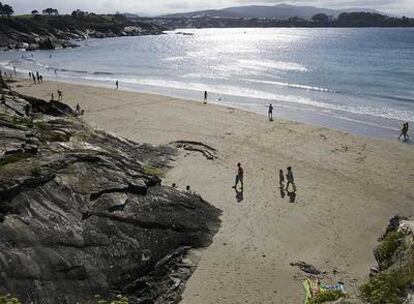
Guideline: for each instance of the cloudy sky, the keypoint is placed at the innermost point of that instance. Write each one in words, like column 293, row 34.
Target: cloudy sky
column 154, row 7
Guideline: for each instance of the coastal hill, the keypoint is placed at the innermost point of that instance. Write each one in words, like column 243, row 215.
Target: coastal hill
column 33, row 32
column 280, row 11
column 83, row 212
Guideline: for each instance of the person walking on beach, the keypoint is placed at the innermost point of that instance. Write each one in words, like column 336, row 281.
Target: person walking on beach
column 34, row 78
column 270, row 113
column 281, row 179
column 404, row 132
column 290, row 179
column 37, row 77
column 239, row 176
column 117, row 85
column 30, row 75
column 205, row 97
column 53, row 97
column 60, row 94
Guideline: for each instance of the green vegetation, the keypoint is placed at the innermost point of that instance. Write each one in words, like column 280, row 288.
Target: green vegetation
column 151, row 170
column 388, row 287
column 24, row 121
column 396, row 260
column 14, row 158
column 8, row 299
column 36, row 170
column 119, row 299
column 392, row 242
column 328, row 296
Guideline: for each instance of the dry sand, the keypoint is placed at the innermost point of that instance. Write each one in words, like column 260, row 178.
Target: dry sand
column 348, row 189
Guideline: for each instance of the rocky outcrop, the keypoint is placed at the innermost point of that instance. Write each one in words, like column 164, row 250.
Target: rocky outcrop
column 83, row 212
column 393, row 280
column 56, row 32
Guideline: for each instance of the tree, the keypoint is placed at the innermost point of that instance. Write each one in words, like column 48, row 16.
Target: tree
column 7, row 10
column 320, row 18
column 50, row 11
column 35, row 12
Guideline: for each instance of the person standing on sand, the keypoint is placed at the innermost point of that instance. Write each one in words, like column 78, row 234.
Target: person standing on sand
column 34, row 78
column 281, row 179
column 270, row 113
column 117, row 85
column 239, row 176
column 30, row 75
column 205, row 97
column 60, row 94
column 290, row 179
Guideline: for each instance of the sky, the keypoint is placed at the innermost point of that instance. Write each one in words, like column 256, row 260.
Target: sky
column 158, row 7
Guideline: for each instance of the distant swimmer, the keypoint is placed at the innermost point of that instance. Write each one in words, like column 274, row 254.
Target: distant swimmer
column 205, row 97
column 270, row 112
column 117, row 85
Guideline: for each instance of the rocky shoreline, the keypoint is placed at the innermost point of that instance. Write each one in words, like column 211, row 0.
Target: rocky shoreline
column 84, row 212
column 48, row 34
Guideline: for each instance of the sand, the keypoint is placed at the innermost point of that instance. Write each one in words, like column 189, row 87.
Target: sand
column 348, row 189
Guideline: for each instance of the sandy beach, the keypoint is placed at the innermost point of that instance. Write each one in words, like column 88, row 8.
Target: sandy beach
column 348, row 189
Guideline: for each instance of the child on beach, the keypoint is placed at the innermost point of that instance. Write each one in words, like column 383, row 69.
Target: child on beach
column 281, row 179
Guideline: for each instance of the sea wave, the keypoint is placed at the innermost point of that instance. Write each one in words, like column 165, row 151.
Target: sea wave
column 270, row 64
column 382, row 112
column 293, row 85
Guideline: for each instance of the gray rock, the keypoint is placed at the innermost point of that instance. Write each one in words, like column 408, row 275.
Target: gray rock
column 79, row 216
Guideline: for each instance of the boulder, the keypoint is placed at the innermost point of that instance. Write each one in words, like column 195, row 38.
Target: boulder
column 81, row 216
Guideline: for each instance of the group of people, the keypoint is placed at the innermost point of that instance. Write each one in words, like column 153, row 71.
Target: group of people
column 36, row 77
column 60, row 95
column 289, row 178
column 404, row 132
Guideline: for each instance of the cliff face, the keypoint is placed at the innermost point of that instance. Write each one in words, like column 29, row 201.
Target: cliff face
column 83, row 212
column 53, row 32
column 393, row 280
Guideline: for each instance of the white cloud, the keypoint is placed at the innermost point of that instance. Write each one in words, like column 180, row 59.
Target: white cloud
column 167, row 6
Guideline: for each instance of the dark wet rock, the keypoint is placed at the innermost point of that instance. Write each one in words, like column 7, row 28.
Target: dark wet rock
column 51, row 32
column 79, row 215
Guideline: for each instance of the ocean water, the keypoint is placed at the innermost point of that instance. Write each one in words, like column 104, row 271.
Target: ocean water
column 356, row 80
